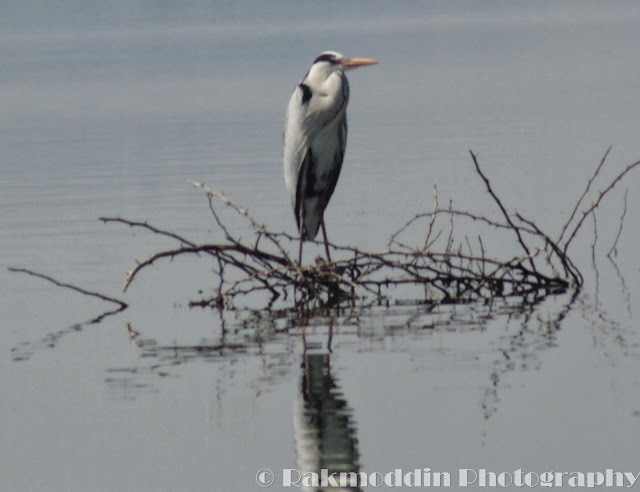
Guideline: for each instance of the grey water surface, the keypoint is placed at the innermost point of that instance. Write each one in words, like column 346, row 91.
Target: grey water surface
column 108, row 108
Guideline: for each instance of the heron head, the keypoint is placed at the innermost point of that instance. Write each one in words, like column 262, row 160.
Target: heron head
column 332, row 61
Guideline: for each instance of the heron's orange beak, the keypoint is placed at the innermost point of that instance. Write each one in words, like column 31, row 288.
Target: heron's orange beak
column 357, row 62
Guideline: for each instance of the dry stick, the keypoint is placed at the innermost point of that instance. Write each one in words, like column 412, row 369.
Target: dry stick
column 279, row 278
column 376, row 262
column 584, row 193
column 221, row 251
column 483, row 277
column 255, row 224
column 234, row 288
column 614, row 248
column 597, row 202
column 458, row 213
column 482, row 262
column 593, row 256
column 461, row 274
column 567, row 264
column 593, row 245
column 148, row 226
column 153, row 229
column 433, row 218
column 230, row 238
column 258, row 227
column 450, row 238
column 466, row 238
column 504, row 211
column 123, row 305
column 220, row 273
column 162, row 254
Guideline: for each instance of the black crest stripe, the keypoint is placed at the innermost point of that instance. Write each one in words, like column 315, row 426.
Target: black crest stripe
column 326, row 57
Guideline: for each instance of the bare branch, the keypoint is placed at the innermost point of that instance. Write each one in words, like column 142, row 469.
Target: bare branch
column 584, row 193
column 122, row 305
column 146, row 225
column 595, row 204
column 504, row 211
column 614, row 247
column 448, row 270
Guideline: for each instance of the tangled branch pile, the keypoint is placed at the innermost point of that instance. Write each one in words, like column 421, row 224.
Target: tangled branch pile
column 445, row 270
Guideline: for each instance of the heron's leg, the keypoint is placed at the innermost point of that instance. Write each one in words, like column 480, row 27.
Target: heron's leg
column 326, row 243
column 300, row 251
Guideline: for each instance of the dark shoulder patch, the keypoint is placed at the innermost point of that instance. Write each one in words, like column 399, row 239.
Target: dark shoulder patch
column 306, row 93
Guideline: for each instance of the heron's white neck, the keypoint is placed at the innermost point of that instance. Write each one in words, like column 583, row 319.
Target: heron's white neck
column 325, row 79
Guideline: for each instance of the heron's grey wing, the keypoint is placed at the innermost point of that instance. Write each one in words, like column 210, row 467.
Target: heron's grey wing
column 336, row 166
column 302, row 188
column 295, row 142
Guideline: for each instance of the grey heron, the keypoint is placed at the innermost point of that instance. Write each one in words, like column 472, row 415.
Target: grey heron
column 315, row 139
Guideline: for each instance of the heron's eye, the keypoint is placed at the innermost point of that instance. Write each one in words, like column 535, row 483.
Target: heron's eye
column 326, row 57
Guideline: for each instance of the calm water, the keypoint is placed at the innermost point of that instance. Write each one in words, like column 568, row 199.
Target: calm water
column 109, row 109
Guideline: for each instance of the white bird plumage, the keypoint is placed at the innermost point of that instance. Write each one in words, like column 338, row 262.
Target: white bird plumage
column 315, row 139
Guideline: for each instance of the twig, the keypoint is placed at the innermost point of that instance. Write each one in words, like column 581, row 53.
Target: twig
column 221, row 251
column 593, row 244
column 260, row 228
column 601, row 195
column 567, row 264
column 146, row 225
column 123, row 305
column 584, row 193
column 504, row 211
column 593, row 256
column 482, row 258
column 614, row 248
column 433, row 219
